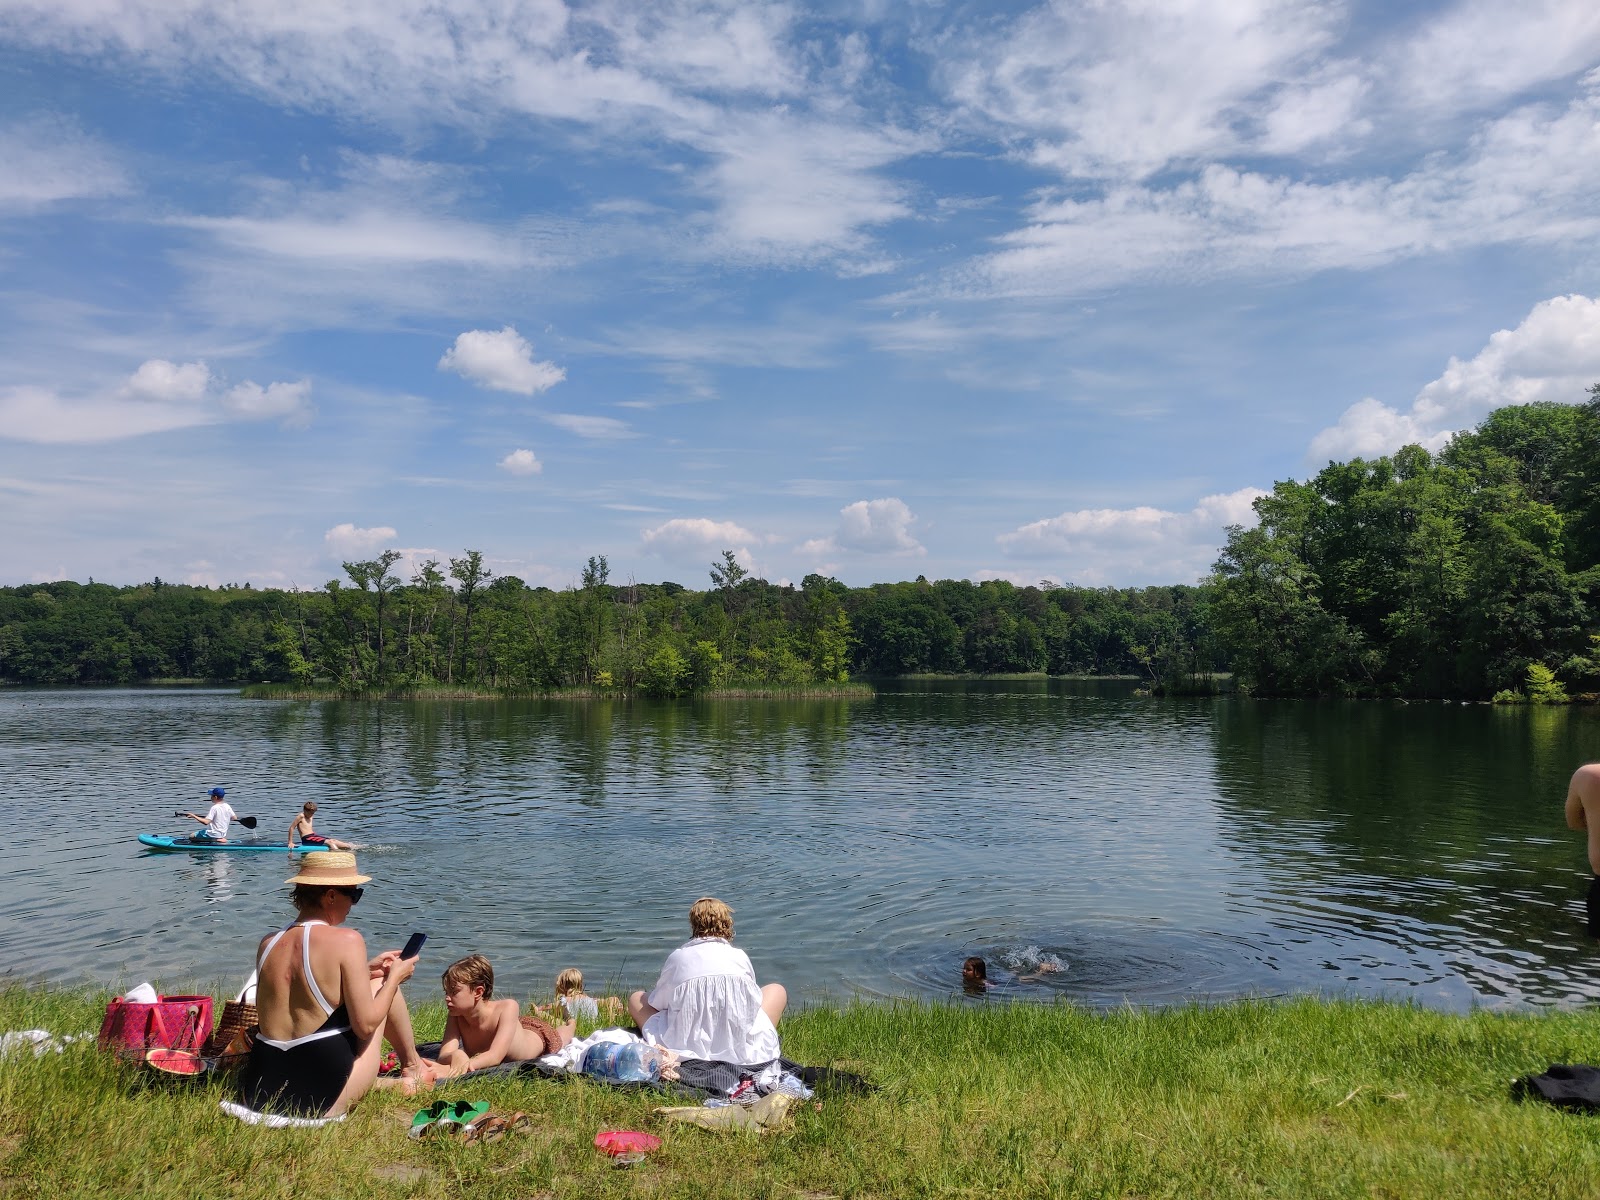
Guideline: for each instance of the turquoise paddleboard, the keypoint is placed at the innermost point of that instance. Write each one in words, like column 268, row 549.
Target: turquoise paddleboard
column 165, row 841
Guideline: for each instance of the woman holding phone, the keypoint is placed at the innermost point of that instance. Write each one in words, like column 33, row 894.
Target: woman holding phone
column 325, row 1008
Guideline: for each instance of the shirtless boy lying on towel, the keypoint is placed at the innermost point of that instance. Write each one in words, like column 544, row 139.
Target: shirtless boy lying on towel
column 482, row 1031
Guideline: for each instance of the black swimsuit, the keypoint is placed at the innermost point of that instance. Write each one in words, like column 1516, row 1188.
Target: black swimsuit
column 304, row 1076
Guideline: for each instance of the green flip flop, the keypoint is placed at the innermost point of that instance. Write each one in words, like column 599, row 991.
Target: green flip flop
column 460, row 1114
column 428, row 1117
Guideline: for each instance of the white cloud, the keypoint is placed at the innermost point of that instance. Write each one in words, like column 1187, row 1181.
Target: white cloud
column 336, row 234
column 502, row 360
column 49, row 161
column 159, row 380
column 1481, row 51
column 347, row 541
column 253, row 402
column 1097, row 546
column 521, row 462
column 1554, row 354
column 791, row 189
column 869, row 527
column 595, row 428
column 158, row 397
column 1123, row 89
column 683, row 536
column 790, row 182
column 34, row 414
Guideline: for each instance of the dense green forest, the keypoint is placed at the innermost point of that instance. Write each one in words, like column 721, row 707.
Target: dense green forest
column 1461, row 574
column 457, row 626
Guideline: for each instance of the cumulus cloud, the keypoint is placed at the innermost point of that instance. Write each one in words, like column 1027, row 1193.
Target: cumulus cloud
column 870, row 527
column 1554, row 354
column 502, row 360
column 158, row 397
column 161, row 381
column 1097, row 546
column 521, row 462
column 685, row 536
column 347, row 541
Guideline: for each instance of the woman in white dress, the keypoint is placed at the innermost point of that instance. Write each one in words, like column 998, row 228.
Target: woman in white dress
column 707, row 1003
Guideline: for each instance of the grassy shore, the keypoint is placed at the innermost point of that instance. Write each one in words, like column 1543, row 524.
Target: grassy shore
column 289, row 691
column 1304, row 1098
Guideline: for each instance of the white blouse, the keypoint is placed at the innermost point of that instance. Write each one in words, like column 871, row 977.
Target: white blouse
column 709, row 1006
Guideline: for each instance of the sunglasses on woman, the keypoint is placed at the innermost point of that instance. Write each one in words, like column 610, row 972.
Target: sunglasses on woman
column 354, row 893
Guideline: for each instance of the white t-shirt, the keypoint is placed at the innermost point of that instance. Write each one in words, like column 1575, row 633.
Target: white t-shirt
column 709, row 1006
column 217, row 818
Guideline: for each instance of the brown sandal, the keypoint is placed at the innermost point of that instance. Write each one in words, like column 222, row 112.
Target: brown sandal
column 486, row 1128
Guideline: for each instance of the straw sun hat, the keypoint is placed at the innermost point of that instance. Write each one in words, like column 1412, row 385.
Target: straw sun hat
column 329, row 868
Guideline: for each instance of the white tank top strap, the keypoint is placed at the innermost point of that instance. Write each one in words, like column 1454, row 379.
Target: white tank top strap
column 305, row 954
column 311, row 980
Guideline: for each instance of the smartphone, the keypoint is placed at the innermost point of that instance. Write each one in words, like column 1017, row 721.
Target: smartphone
column 414, row 945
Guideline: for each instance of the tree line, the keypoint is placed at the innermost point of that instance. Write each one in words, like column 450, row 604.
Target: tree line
column 1468, row 573
column 456, row 625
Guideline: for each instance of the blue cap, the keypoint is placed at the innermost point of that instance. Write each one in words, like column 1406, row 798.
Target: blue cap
column 218, row 792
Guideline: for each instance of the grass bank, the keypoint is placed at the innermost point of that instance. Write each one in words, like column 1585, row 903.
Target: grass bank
column 1297, row 1099
column 289, row 691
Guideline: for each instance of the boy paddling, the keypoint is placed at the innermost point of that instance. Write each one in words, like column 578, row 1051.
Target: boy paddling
column 216, row 820
column 301, row 827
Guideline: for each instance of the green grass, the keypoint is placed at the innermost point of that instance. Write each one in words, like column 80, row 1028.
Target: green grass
column 1301, row 1098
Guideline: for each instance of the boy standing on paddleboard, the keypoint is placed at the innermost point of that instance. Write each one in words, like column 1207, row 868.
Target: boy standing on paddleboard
column 216, row 819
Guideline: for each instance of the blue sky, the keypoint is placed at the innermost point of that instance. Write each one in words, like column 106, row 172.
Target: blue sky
column 871, row 289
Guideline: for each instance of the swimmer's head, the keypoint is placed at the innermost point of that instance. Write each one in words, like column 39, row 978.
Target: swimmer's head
column 974, row 974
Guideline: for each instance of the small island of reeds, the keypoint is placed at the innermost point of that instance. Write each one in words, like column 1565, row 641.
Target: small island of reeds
column 1299, row 1098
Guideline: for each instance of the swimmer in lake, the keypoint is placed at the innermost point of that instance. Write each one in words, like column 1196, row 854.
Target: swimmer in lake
column 974, row 976
column 1583, row 813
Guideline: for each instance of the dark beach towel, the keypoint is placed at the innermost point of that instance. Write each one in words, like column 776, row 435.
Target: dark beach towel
column 1565, row 1086
column 697, row 1078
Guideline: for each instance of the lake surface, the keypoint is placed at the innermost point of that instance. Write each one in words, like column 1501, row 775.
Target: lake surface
column 1159, row 851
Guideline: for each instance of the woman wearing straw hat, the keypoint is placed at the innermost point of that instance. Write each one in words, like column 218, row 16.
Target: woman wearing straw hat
column 322, row 1004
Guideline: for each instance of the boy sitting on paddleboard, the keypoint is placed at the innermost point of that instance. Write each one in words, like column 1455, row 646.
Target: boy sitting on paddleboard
column 216, row 819
column 301, row 827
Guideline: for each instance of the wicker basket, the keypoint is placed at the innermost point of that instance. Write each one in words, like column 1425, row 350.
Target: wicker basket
column 234, row 1034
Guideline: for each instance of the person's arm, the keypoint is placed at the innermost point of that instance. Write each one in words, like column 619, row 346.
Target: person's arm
column 451, row 1053
column 1576, row 818
column 193, row 817
column 456, row 1061
column 367, row 1010
column 293, row 826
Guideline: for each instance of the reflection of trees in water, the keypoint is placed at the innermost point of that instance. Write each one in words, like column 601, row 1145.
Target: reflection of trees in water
column 1406, row 795
column 739, row 744
column 500, row 752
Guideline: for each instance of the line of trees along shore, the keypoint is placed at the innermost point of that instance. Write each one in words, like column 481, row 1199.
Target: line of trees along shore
column 1461, row 574
column 457, row 626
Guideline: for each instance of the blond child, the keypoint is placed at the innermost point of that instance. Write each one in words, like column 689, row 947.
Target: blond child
column 574, row 1003
column 301, row 827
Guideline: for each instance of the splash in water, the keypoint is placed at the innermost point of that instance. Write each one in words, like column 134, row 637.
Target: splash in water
column 1031, row 960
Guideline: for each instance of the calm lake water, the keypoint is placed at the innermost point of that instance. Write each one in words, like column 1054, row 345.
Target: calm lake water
column 1159, row 851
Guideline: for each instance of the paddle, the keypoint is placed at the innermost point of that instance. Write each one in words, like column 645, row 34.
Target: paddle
column 247, row 822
